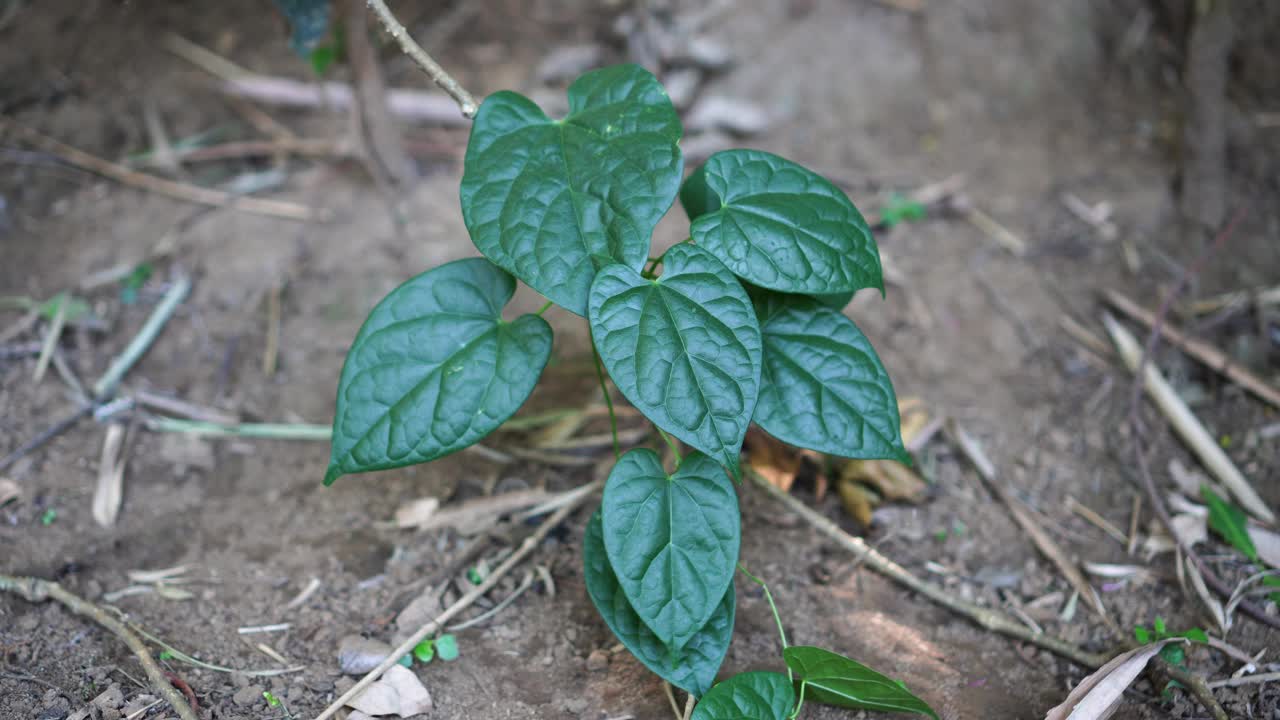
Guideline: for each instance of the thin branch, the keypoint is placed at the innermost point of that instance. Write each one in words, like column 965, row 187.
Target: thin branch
column 983, row 617
column 36, row 590
column 159, row 185
column 434, row 626
column 465, row 101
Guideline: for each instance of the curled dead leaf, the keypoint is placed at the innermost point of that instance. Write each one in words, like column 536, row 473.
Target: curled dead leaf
column 772, row 459
column 398, row 692
column 893, row 480
column 1096, row 697
column 857, row 501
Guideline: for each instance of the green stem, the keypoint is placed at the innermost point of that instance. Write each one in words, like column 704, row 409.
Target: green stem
column 260, row 430
column 608, row 401
column 543, row 308
column 675, row 449
column 772, row 607
column 799, row 704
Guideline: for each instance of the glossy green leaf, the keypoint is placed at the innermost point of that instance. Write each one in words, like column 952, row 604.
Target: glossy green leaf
column 837, row 301
column 434, row 369
column 836, row 680
column 684, row 349
column 693, row 668
column 552, row 201
column 1230, row 522
column 672, row 540
column 823, row 386
column 779, row 225
column 748, row 696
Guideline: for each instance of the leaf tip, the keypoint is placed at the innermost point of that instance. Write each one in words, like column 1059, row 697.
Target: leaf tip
column 333, row 473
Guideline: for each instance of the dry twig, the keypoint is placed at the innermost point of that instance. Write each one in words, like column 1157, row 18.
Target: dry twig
column 36, row 590
column 160, row 186
column 465, row 101
column 526, row 547
column 1198, row 349
column 983, row 617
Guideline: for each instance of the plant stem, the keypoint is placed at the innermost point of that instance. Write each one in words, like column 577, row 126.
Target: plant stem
column 106, row 385
column 543, row 309
column 800, row 703
column 465, row 101
column 675, row 449
column 608, row 401
column 275, row 431
column 773, row 608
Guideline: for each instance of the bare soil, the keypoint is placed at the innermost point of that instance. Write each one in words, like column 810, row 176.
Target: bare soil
column 1027, row 100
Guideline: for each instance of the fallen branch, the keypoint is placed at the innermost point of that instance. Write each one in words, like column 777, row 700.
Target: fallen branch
column 411, row 105
column 35, row 590
column 45, row 436
column 158, row 185
column 1198, row 349
column 983, row 617
column 465, row 101
column 434, row 626
column 1185, row 422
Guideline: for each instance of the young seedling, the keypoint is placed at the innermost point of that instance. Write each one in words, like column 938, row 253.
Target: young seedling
column 740, row 323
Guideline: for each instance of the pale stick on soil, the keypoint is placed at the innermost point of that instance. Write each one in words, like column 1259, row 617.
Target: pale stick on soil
column 36, row 590
column 1262, row 297
column 106, row 385
column 158, row 185
column 1188, row 427
column 1198, row 349
column 176, row 406
column 51, row 338
column 1246, row 680
column 526, row 548
column 983, row 617
column 45, row 436
column 465, row 101
column 1022, row 515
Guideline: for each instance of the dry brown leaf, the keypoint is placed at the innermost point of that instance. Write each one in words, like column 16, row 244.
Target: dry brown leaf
column 772, row 460
column 9, row 491
column 914, row 417
column 892, row 479
column 1096, row 697
column 857, row 501
column 399, row 692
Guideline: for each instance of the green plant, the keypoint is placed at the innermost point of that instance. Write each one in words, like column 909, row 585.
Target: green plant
column 741, row 323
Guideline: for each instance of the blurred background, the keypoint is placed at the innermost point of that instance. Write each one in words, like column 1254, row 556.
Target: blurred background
column 1017, row 159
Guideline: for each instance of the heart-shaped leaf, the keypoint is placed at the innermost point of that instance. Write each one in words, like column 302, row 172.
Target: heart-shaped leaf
column 434, row 369
column 692, row 668
column 823, row 386
column 684, row 348
column 836, row 680
column 748, row 696
column 779, row 225
column 672, row 540
column 554, row 200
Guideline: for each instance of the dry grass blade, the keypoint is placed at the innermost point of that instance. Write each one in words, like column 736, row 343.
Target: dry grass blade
column 1188, row 426
column 110, row 490
column 1026, row 520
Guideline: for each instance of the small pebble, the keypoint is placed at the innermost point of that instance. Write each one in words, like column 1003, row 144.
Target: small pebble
column 248, row 696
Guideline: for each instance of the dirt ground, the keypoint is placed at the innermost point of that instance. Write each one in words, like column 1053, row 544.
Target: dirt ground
column 1027, row 100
